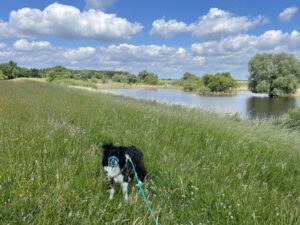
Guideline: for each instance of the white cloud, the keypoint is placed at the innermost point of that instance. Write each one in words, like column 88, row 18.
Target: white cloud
column 228, row 54
column 67, row 22
column 25, row 45
column 98, row 4
column 272, row 40
column 219, row 22
column 233, row 53
column 288, row 13
column 168, row 28
column 216, row 23
column 80, row 53
column 161, row 59
column 165, row 60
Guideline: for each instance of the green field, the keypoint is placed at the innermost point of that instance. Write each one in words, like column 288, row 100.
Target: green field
column 205, row 169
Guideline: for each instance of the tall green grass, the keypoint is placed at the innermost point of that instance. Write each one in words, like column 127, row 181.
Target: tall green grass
column 72, row 82
column 205, row 169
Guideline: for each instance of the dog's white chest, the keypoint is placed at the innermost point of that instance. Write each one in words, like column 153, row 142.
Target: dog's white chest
column 114, row 173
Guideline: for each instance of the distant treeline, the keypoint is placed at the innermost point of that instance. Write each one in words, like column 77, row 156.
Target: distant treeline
column 11, row 70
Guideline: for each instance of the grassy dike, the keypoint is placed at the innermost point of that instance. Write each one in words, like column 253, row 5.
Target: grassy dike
column 205, row 169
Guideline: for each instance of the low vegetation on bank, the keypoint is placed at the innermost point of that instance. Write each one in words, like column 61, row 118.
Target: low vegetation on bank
column 205, row 169
column 220, row 83
column 290, row 121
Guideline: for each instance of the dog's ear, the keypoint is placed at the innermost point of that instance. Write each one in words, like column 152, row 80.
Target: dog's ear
column 107, row 146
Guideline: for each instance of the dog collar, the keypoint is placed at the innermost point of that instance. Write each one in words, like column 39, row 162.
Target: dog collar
column 113, row 161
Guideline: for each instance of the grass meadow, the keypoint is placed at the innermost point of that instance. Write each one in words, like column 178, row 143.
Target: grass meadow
column 205, row 168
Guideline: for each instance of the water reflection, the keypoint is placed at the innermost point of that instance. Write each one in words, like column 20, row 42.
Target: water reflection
column 264, row 107
column 247, row 104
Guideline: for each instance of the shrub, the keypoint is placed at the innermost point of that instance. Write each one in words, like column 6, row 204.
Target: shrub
column 189, row 76
column 124, row 78
column 2, row 77
column 294, row 114
column 147, row 77
column 192, row 85
column 220, row 82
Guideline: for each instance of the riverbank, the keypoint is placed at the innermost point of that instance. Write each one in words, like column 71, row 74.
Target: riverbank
column 204, row 168
column 163, row 84
column 113, row 85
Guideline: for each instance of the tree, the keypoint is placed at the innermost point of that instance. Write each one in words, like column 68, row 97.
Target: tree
column 147, row 77
column 2, row 77
column 142, row 75
column 274, row 74
column 58, row 72
column 7, row 69
column 189, row 76
column 191, row 82
column 220, row 82
column 35, row 73
column 151, row 79
column 131, row 78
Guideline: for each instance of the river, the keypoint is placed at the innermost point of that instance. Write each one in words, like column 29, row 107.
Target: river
column 245, row 103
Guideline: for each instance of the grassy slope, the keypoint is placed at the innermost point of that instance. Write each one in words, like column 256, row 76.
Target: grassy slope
column 204, row 169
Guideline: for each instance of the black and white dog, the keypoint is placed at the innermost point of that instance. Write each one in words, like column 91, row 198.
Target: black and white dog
column 119, row 170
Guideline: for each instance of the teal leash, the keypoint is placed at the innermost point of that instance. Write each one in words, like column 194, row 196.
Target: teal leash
column 142, row 191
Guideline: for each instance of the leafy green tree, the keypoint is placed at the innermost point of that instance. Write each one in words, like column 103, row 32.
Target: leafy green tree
column 15, row 73
column 119, row 78
column 274, row 74
column 189, row 76
column 191, row 82
column 220, row 82
column 58, row 72
column 148, row 77
column 142, row 75
column 131, row 78
column 35, row 73
column 7, row 69
column 124, row 77
column 151, row 79
column 21, row 72
column 190, row 85
column 2, row 76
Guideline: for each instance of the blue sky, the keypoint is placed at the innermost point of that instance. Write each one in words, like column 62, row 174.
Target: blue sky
column 166, row 37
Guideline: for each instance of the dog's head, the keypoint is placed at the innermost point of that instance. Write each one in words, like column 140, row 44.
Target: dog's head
column 113, row 155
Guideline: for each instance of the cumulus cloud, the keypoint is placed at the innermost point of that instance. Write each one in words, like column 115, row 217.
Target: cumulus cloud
column 215, row 23
column 67, row 22
column 98, row 4
column 165, row 60
column 219, row 22
column 80, row 53
column 25, row 45
column 228, row 54
column 168, row 28
column 272, row 40
column 233, row 53
column 162, row 59
column 288, row 13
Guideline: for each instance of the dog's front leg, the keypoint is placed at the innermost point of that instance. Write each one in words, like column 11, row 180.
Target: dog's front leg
column 124, row 186
column 111, row 188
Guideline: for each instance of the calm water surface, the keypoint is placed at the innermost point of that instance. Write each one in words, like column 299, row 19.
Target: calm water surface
column 244, row 103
